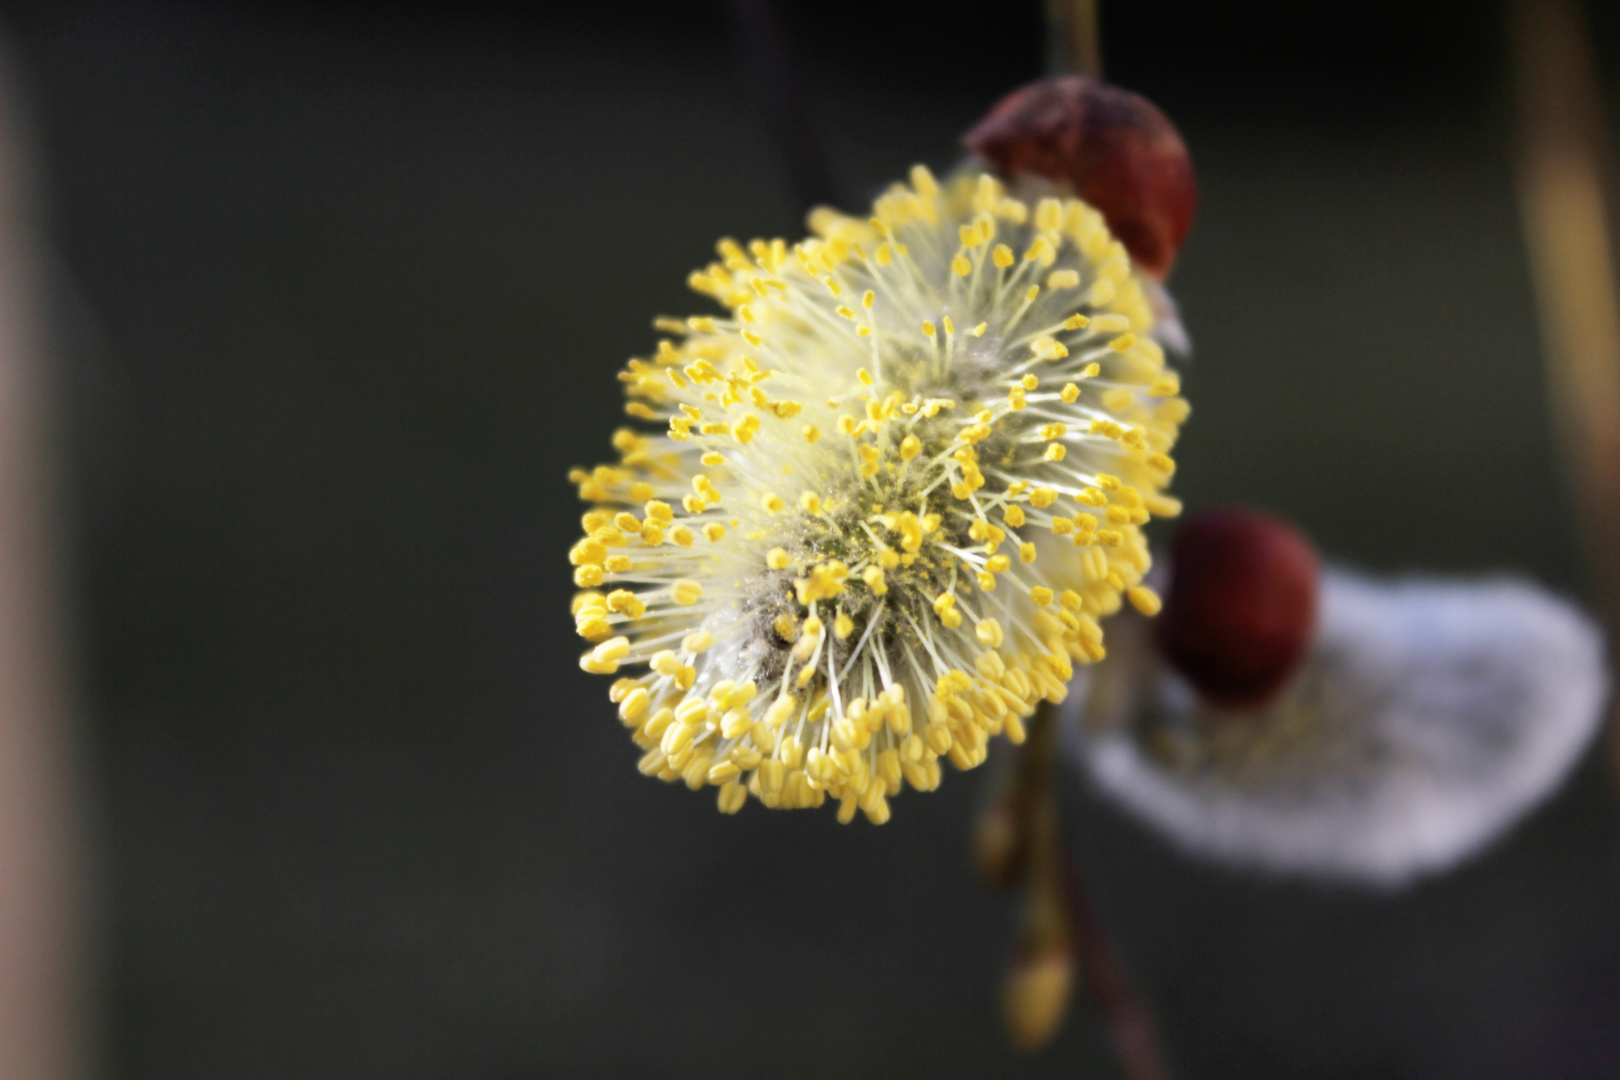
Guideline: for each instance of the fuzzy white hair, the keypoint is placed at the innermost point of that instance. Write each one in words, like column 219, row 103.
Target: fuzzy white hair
column 1430, row 717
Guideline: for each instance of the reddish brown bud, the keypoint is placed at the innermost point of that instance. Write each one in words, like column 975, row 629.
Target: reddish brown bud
column 1112, row 148
column 1241, row 609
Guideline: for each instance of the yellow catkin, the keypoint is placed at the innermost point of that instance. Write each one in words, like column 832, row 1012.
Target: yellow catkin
column 796, row 656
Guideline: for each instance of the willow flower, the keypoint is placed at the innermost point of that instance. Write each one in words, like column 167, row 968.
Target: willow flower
column 898, row 482
column 1416, row 722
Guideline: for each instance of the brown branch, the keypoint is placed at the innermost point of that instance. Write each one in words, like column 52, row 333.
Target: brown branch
column 1562, row 162
column 1073, row 43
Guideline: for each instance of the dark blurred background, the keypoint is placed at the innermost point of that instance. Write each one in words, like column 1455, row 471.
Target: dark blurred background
column 339, row 293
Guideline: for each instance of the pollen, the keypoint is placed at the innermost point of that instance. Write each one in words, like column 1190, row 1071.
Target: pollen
column 846, row 639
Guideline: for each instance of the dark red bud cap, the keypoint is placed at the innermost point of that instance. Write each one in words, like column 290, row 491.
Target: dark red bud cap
column 1112, row 148
column 1240, row 613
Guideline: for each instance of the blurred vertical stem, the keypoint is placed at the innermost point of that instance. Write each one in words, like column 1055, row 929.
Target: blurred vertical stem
column 776, row 80
column 1020, row 843
column 1073, row 43
column 1562, row 163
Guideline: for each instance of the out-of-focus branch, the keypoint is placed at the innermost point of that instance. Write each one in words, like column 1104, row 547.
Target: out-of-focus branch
column 774, row 73
column 1059, row 940
column 1073, row 44
column 1131, row 1026
column 1562, row 164
column 42, row 914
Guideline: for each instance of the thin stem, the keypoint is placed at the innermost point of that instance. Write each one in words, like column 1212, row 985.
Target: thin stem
column 1058, row 928
column 1073, row 43
column 1130, row 1022
column 1563, row 182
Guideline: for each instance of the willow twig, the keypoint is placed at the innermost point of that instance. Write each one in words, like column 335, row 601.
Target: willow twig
column 1073, row 43
column 1562, row 171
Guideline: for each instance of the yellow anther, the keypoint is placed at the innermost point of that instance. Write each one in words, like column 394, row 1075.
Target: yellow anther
column 1026, row 553
column 868, row 298
column 1122, row 343
column 910, row 447
column 978, row 331
column 1167, row 384
column 777, row 559
column 772, row 503
column 1002, row 256
column 873, row 576
column 843, row 626
column 714, row 532
column 810, row 502
column 1062, row 279
column 1014, row 516
column 810, row 432
column 928, row 329
column 961, row 266
column 864, row 375
column 1042, row 497
column 1144, row 599
column 686, row 592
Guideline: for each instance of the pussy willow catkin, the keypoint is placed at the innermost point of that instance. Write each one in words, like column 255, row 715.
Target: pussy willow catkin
column 899, row 482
